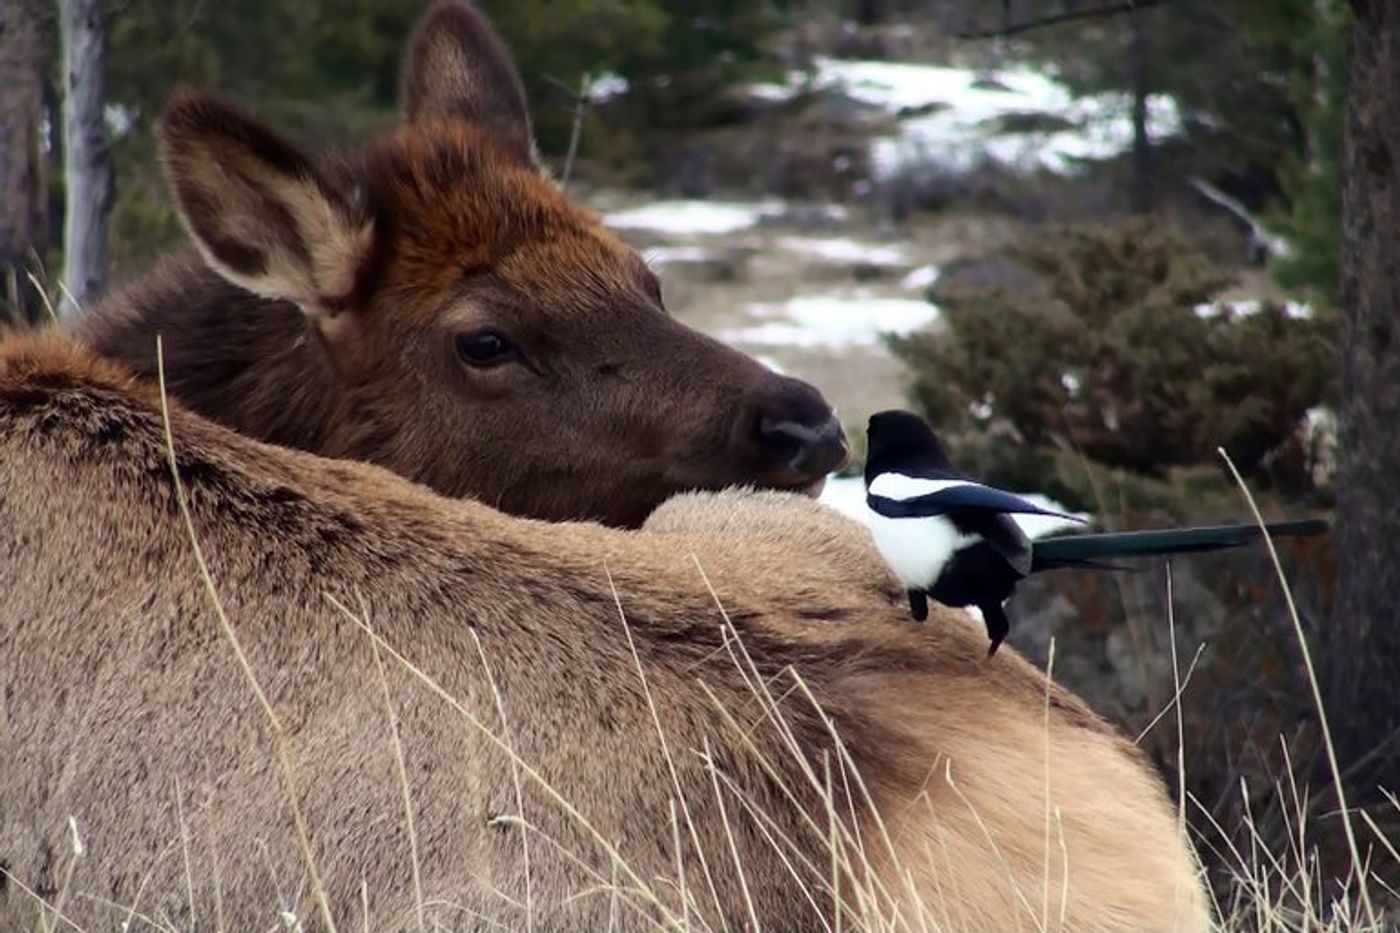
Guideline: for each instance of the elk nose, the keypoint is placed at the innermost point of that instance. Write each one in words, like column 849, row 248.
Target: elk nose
column 792, row 434
column 813, row 450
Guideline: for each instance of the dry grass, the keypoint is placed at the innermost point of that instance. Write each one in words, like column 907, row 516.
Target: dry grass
column 1275, row 881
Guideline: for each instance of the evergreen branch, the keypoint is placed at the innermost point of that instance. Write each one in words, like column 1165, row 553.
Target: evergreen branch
column 1055, row 19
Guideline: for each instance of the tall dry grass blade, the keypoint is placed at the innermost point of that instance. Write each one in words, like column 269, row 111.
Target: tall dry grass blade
column 834, row 843
column 774, row 714
column 77, row 849
column 582, row 101
column 1137, row 626
column 1298, row 838
column 219, row 923
column 68, row 296
column 666, row 750
column 44, row 905
column 526, row 768
column 515, row 779
column 1316, row 688
column 1045, row 885
column 1172, row 703
column 729, row 835
column 401, row 769
column 131, row 915
column 185, row 849
column 782, row 845
column 44, row 297
column 680, row 865
column 279, row 738
column 1177, row 687
column 995, row 849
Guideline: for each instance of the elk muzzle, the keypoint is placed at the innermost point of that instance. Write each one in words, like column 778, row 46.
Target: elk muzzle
column 795, row 435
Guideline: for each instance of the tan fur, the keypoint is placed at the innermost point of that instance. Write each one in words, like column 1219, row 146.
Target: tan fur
column 124, row 708
column 326, row 313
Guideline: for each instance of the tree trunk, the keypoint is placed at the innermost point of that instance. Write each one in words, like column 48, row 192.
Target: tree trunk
column 87, row 166
column 21, row 159
column 1363, row 642
column 1140, row 186
column 871, row 12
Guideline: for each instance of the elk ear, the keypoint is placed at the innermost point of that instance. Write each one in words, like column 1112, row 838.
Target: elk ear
column 458, row 67
column 259, row 211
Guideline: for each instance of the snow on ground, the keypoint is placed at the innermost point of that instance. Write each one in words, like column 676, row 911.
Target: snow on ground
column 959, row 118
column 844, row 250
column 1297, row 310
column 661, row 255
column 921, row 279
column 606, row 86
column 679, row 218
column 846, row 494
column 827, row 322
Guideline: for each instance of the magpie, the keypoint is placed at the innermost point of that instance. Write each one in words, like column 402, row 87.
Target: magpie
column 949, row 537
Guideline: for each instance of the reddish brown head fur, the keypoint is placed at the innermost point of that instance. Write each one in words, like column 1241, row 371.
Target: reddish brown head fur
column 431, row 302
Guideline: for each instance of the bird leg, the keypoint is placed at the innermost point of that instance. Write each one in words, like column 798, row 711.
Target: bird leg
column 997, row 624
column 918, row 605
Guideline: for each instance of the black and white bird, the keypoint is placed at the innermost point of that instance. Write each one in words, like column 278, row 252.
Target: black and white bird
column 953, row 539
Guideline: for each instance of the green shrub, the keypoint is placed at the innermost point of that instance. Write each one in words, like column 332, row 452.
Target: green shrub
column 1112, row 356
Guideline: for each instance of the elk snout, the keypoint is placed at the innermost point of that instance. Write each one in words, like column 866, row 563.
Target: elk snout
column 796, row 434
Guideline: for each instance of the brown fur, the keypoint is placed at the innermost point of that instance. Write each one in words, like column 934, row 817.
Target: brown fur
column 324, row 311
column 124, row 708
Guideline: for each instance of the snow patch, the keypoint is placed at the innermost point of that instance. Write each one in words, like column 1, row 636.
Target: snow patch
column 661, row 255
column 606, row 86
column 844, row 250
column 679, row 218
column 921, row 279
column 1294, row 310
column 959, row 118
column 823, row 322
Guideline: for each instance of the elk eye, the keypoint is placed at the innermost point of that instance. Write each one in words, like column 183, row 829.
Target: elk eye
column 485, row 348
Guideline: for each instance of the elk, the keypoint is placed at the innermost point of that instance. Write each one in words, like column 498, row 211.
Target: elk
column 721, row 720
column 432, row 303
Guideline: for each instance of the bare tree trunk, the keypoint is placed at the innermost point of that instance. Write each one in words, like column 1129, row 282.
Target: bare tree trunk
column 87, row 166
column 21, row 161
column 871, row 12
column 1363, row 641
column 1140, row 186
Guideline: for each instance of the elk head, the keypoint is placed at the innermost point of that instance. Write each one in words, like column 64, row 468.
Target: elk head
column 484, row 335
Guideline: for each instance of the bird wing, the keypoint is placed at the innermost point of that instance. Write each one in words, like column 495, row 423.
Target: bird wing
column 1002, row 534
column 983, row 519
column 923, row 498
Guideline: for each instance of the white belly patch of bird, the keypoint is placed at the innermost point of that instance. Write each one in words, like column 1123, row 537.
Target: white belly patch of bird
column 917, row 549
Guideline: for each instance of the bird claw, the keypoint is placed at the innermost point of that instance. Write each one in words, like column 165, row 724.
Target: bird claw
column 918, row 605
column 998, row 625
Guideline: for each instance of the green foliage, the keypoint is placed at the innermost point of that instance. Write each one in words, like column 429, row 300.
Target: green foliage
column 1230, row 75
column 1110, row 359
column 1312, row 177
column 326, row 72
column 1260, row 85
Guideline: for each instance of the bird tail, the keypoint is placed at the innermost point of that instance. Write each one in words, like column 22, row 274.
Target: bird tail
column 1092, row 550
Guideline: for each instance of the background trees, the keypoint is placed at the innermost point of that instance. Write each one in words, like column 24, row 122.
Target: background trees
column 22, row 172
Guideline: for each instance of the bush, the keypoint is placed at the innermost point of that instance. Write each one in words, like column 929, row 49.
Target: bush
column 1117, row 353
